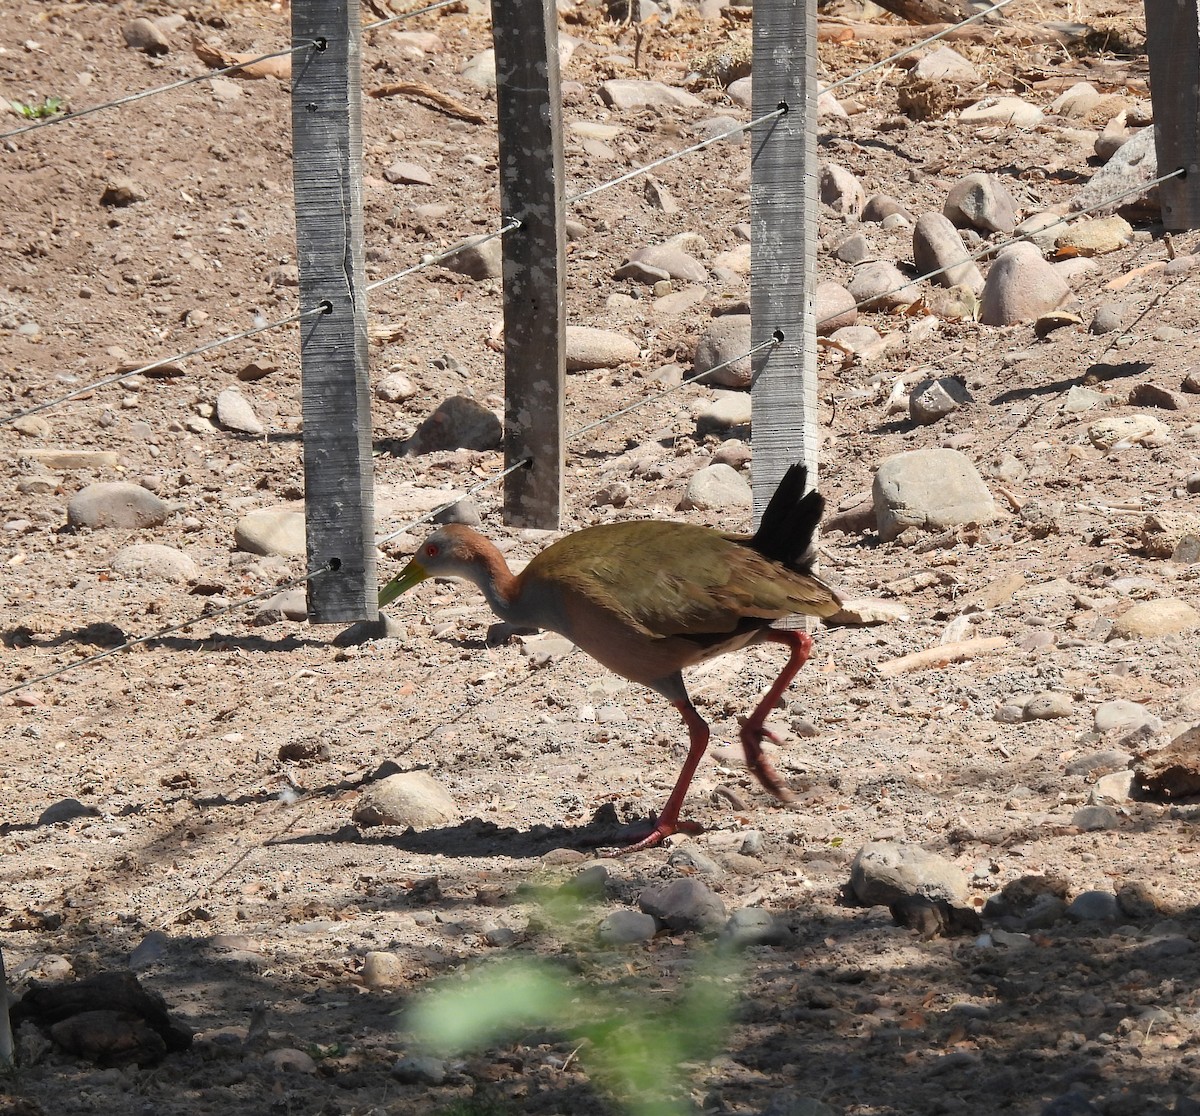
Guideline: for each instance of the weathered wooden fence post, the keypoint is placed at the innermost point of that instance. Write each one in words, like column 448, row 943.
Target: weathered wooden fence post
column 327, row 170
column 783, row 222
column 525, row 35
column 1173, row 46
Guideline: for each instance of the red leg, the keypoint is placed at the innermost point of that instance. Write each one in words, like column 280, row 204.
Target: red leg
column 668, row 821
column 755, row 730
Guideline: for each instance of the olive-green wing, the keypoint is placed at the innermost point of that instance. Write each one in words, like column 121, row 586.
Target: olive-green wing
column 669, row 579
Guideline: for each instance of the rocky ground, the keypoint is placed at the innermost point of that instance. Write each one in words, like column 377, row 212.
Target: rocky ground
column 191, row 811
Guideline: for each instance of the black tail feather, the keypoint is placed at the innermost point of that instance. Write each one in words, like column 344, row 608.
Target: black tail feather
column 785, row 533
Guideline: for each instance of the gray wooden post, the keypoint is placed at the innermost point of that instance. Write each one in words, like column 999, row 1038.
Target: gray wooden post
column 1173, row 46
column 327, row 169
column 783, row 223
column 528, row 102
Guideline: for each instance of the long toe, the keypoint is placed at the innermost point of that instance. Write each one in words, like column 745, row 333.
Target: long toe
column 761, row 767
column 659, row 833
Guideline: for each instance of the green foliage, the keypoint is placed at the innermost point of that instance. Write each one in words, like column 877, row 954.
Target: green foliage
column 636, row 1045
column 51, row 106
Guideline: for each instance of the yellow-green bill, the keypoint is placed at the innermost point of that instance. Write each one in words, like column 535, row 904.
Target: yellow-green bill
column 411, row 575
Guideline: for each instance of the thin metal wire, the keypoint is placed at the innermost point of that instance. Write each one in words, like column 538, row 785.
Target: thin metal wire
column 769, row 344
column 431, row 515
column 430, row 261
column 852, row 78
column 171, row 629
column 780, row 111
column 324, row 308
column 70, row 117
column 992, row 249
column 408, row 15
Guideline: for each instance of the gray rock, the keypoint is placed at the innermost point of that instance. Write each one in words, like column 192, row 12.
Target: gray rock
column 840, row 190
column 419, row 1069
column 879, row 207
column 65, row 810
column 364, row 631
column 728, row 410
column 931, row 489
column 687, row 857
column 943, row 63
column 1047, row 706
column 287, row 1059
column 235, row 413
column 480, row 69
column 833, row 307
column 625, row 927
column 383, row 970
column 855, row 249
column 395, row 387
column 684, row 905
column 116, row 504
column 1094, row 906
column 1099, row 763
column 881, row 285
column 727, row 338
column 752, row 926
column 479, row 259
column 403, row 173
column 884, row 872
column 122, row 191
column 1109, row 318
column 1158, row 617
column 149, row 951
column 412, row 798
column 276, row 530
column 717, row 487
column 622, row 94
column 931, row 400
column 981, row 201
column 1041, row 229
column 154, row 562
column 464, row 511
column 589, row 347
column 732, row 452
column 1007, row 112
column 1077, row 101
column 938, row 247
column 1140, row 429
column 145, row 35
column 1093, row 819
column 1121, row 717
column 1134, row 164
column 1139, row 899
column 459, row 422
column 669, row 259
column 1021, row 287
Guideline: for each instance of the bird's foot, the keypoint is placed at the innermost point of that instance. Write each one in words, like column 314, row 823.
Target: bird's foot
column 752, row 737
column 659, row 833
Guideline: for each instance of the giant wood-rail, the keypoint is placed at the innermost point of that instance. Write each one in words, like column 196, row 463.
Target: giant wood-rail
column 649, row 598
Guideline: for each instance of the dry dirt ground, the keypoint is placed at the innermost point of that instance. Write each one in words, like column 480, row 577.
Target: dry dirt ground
column 243, row 867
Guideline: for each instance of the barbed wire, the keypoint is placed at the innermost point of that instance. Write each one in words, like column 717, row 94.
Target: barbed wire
column 575, row 198
column 431, row 260
column 116, row 377
column 770, row 343
column 913, row 47
column 992, row 249
column 408, row 15
column 171, row 629
column 475, row 489
column 71, row 117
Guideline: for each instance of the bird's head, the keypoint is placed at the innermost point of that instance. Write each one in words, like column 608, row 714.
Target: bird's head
column 451, row 551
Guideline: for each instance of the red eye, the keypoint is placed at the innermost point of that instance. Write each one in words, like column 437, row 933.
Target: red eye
column 431, row 551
